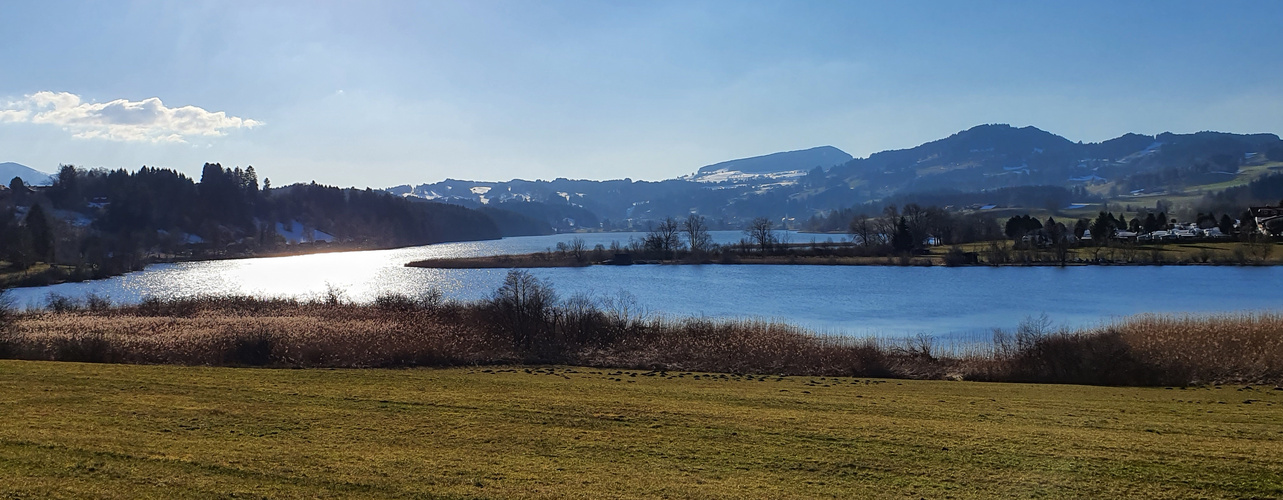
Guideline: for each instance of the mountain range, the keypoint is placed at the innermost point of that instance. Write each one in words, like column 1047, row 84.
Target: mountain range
column 799, row 184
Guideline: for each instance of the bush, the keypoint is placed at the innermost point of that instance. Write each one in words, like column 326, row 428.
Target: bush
column 956, row 256
column 61, row 303
column 523, row 307
column 334, row 295
column 431, row 299
column 97, row 303
column 1101, row 358
column 395, row 302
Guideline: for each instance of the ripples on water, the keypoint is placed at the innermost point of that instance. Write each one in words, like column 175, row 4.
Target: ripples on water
column 957, row 303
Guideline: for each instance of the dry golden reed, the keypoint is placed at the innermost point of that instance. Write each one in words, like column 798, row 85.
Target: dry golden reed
column 398, row 331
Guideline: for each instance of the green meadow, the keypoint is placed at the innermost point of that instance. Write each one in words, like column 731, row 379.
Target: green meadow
column 128, row 431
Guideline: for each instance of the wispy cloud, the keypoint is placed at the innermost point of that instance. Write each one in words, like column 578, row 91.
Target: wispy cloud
column 148, row 120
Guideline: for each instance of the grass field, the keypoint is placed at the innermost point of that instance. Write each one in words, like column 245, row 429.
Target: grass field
column 123, row 431
column 1193, row 194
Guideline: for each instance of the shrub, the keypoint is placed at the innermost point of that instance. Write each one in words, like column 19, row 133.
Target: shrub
column 395, row 302
column 59, row 303
column 956, row 256
column 334, row 295
column 97, row 303
column 523, row 307
column 1102, row 358
column 431, row 299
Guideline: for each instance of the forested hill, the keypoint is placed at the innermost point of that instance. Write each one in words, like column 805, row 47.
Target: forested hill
column 122, row 219
column 983, row 163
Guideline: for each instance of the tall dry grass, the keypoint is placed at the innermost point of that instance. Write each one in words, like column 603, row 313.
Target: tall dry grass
column 1147, row 349
column 396, row 331
column 245, row 331
column 1241, row 347
column 400, row 331
column 748, row 346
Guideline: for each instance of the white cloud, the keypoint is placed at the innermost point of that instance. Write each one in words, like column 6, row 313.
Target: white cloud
column 14, row 115
column 148, row 120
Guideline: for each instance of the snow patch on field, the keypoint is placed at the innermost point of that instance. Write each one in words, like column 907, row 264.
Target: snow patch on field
column 725, row 175
column 73, row 218
column 297, row 233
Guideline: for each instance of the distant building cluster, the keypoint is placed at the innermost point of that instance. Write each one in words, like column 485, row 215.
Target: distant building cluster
column 1269, row 220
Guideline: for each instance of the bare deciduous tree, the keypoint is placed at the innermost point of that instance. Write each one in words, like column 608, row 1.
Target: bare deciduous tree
column 697, row 233
column 579, row 249
column 761, row 232
column 863, row 230
column 884, row 226
column 664, row 237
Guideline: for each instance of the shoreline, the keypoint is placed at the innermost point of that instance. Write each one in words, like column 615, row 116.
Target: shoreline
column 542, row 260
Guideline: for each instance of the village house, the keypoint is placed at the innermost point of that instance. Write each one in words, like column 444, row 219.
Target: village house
column 1269, row 220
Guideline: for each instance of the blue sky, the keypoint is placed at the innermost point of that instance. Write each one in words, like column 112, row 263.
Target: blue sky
column 384, row 93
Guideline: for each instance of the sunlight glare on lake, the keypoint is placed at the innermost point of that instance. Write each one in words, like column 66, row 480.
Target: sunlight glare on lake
column 858, row 300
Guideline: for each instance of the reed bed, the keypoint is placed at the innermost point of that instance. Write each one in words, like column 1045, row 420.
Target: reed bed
column 303, row 338
column 397, row 331
column 1239, row 347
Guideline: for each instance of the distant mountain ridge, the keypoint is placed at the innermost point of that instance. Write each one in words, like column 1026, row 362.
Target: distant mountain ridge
column 992, row 156
column 980, row 159
column 9, row 170
column 806, row 159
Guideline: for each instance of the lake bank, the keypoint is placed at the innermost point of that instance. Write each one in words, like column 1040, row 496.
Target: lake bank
column 985, row 254
column 540, row 260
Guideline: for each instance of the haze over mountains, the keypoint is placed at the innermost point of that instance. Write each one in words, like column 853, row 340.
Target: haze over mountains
column 9, row 170
column 803, row 183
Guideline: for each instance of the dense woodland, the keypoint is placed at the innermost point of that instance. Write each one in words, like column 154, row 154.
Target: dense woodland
column 102, row 222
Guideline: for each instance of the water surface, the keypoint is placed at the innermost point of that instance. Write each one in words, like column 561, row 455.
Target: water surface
column 860, row 300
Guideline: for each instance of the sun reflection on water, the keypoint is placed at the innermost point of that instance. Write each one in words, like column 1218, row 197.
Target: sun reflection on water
column 890, row 301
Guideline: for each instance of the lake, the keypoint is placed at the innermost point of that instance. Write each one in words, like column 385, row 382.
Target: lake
column 958, row 303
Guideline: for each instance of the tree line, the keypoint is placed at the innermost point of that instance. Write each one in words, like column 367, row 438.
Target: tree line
column 1049, row 197
column 112, row 221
